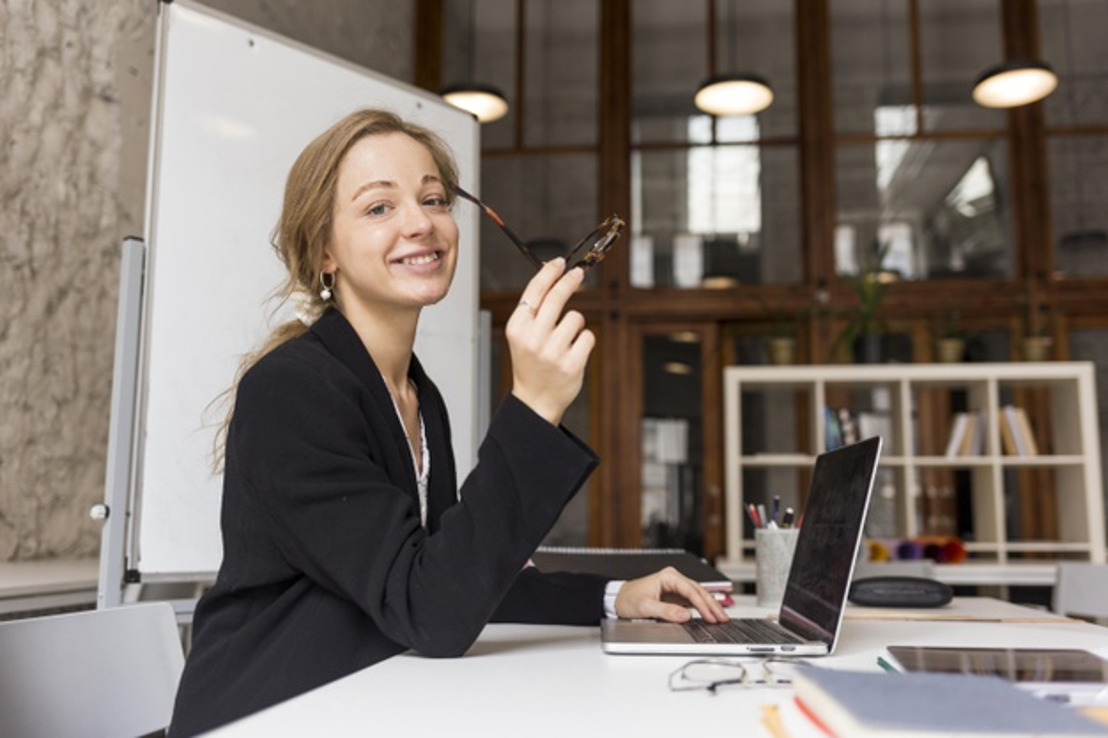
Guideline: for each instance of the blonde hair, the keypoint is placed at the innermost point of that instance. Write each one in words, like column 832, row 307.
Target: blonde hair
column 303, row 231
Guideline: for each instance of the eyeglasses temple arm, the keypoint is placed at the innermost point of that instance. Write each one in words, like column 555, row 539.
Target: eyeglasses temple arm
column 500, row 222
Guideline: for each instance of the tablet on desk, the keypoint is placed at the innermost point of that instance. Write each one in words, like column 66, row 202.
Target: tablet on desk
column 1070, row 675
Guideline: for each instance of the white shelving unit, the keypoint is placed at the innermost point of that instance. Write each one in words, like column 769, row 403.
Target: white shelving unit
column 787, row 406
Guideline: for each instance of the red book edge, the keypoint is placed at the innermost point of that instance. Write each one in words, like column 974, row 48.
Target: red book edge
column 807, row 712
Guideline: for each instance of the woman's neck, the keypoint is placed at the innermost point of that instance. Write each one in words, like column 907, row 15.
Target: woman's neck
column 389, row 339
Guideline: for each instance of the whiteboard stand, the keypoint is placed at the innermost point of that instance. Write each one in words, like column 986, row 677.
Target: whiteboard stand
column 115, row 510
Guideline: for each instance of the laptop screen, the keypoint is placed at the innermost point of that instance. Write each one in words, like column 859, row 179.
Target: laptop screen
column 819, row 578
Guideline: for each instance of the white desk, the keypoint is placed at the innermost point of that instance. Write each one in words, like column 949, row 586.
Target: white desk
column 554, row 681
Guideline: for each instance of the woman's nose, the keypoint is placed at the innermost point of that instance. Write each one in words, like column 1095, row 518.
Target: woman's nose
column 416, row 221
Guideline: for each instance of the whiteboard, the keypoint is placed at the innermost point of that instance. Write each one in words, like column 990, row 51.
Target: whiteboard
column 234, row 105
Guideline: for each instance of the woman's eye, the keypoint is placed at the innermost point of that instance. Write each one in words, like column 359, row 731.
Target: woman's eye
column 378, row 209
column 435, row 201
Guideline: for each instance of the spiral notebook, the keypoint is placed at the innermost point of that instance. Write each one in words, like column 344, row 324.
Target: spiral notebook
column 811, row 613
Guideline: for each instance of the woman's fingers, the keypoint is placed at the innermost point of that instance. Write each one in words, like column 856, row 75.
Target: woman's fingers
column 535, row 291
column 556, row 297
column 549, row 349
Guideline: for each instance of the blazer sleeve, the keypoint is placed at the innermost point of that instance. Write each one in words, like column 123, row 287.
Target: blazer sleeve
column 561, row 598
column 304, row 450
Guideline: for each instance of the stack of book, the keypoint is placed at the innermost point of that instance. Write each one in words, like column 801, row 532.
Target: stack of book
column 1015, row 432
column 967, row 433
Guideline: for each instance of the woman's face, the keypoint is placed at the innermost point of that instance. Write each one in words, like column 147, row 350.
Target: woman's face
column 394, row 242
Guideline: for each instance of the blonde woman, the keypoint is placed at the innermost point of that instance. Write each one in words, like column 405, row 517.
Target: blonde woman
column 346, row 539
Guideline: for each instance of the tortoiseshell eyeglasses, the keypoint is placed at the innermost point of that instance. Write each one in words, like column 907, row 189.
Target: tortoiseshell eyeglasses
column 588, row 252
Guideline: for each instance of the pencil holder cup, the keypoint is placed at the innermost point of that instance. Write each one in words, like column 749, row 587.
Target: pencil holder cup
column 773, row 555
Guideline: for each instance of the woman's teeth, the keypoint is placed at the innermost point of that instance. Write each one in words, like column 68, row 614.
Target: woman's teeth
column 425, row 259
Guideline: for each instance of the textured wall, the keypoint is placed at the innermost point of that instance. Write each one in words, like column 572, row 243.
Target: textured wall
column 74, row 126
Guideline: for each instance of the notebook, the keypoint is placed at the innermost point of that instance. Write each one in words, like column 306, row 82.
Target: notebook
column 811, row 612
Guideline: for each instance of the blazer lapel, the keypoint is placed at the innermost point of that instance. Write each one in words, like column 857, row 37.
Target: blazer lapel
column 343, row 342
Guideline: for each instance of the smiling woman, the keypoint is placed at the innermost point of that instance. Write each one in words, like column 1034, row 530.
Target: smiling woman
column 346, row 538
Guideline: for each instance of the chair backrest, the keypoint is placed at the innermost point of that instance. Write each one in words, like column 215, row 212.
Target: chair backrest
column 1081, row 589
column 111, row 672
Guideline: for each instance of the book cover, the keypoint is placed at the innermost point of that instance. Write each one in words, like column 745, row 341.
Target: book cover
column 1008, row 433
column 876, row 705
column 630, row 563
column 1023, row 439
column 1027, row 436
column 974, row 434
column 957, row 434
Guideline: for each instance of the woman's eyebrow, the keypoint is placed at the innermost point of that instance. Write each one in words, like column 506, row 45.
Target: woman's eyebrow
column 378, row 183
column 389, row 184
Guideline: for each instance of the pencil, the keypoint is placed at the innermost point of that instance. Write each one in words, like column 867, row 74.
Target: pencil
column 771, row 718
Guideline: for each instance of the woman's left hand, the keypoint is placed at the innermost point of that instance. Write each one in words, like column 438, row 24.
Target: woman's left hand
column 667, row 595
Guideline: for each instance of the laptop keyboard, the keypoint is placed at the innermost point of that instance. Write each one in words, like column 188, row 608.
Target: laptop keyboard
column 739, row 631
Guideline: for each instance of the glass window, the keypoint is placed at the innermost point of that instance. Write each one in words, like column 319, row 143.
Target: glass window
column 561, row 83
column 548, row 201
column 1073, row 44
column 871, row 50
column 716, row 216
column 973, row 28
column 871, row 64
column 1078, row 178
column 937, row 207
column 670, row 60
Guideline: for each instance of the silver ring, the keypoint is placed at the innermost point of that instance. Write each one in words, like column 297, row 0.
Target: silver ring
column 529, row 306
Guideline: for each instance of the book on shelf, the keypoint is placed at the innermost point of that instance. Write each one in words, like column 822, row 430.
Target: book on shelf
column 858, row 704
column 1014, row 423
column 833, row 431
column 630, row 563
column 967, row 435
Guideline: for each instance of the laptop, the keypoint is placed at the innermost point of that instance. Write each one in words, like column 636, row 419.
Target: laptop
column 811, row 612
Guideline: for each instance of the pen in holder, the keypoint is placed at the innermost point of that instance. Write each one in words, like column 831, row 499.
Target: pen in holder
column 773, row 555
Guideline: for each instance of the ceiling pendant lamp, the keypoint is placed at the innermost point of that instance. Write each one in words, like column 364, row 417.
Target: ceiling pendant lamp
column 734, row 94
column 1014, row 83
column 484, row 102
column 731, row 93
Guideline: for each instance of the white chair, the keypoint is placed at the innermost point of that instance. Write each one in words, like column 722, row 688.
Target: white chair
column 1081, row 589
column 111, row 672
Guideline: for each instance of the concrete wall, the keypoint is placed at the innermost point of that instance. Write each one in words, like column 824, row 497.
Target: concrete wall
column 74, row 125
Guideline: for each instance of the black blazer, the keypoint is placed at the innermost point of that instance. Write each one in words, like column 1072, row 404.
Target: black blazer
column 326, row 568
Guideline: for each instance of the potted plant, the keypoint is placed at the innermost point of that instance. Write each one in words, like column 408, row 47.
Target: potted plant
column 950, row 338
column 1037, row 341
column 865, row 326
column 784, row 325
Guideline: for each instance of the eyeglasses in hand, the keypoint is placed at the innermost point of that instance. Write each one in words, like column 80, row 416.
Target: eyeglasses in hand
column 588, row 252
column 711, row 674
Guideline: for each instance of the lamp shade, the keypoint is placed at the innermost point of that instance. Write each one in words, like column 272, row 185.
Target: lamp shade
column 1014, row 83
column 484, row 102
column 734, row 94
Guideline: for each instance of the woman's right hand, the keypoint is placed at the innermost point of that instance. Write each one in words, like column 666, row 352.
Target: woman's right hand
column 549, row 349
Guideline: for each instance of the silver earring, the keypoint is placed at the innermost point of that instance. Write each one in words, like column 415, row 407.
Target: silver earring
column 328, row 282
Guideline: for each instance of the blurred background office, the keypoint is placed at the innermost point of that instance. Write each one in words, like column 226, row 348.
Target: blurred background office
column 873, row 195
